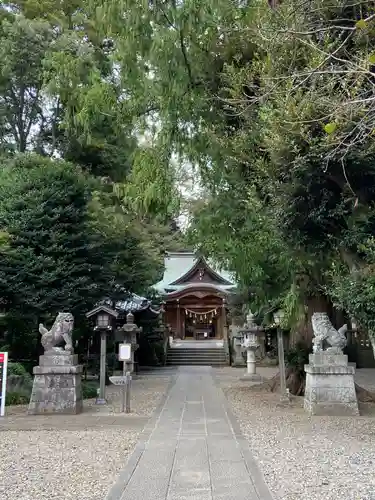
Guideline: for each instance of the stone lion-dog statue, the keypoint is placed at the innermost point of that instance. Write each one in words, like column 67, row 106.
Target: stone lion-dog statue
column 325, row 332
column 61, row 330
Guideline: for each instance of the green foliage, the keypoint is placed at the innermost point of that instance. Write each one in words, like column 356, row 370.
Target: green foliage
column 48, row 51
column 19, row 382
column 89, row 389
column 136, row 257
column 19, row 397
column 94, row 225
column 239, row 233
column 354, row 292
column 17, row 369
column 272, row 107
column 43, row 207
column 330, row 127
column 23, row 47
column 66, row 249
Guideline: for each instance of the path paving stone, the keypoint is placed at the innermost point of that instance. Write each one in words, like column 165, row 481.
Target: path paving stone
column 192, row 449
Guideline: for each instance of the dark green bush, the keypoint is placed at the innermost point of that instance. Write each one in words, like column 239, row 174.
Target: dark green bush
column 89, row 390
column 18, row 378
column 17, row 369
column 20, row 397
column 146, row 353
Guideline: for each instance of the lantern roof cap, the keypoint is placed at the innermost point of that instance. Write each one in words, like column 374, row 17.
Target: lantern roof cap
column 102, row 309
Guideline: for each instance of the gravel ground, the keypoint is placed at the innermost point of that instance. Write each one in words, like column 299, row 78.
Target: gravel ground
column 79, row 465
column 146, row 393
column 302, row 457
column 71, row 460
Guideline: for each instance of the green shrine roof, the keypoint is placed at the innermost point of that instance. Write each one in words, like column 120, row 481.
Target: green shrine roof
column 178, row 266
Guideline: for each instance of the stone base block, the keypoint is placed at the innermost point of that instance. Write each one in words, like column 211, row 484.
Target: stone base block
column 326, row 359
column 330, row 386
column 63, row 358
column 252, row 377
column 238, row 364
column 57, row 386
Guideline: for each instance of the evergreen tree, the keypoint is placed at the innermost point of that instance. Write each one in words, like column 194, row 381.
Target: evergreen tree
column 61, row 254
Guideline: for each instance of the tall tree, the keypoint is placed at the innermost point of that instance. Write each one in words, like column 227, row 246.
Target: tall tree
column 229, row 98
column 65, row 249
column 23, row 48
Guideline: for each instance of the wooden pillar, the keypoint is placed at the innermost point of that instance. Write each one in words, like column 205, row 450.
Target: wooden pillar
column 219, row 326
column 103, row 361
column 178, row 326
column 225, row 330
column 224, row 321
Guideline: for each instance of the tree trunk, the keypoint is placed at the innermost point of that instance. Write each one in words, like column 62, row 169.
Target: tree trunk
column 303, row 331
column 294, row 382
column 296, row 385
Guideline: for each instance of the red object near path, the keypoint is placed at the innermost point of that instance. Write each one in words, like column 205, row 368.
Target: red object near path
column 1, row 357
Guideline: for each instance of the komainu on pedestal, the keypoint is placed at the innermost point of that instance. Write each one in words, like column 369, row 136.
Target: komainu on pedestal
column 330, row 388
column 57, row 386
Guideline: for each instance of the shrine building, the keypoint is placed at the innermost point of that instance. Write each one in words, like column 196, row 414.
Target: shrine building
column 194, row 292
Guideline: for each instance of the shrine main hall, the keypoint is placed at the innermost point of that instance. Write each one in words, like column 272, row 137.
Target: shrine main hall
column 194, row 293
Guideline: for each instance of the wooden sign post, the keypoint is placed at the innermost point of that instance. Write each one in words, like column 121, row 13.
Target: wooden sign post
column 126, row 379
column 3, row 381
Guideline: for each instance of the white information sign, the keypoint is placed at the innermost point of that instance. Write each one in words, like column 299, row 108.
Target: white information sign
column 3, row 381
column 124, row 353
column 118, row 380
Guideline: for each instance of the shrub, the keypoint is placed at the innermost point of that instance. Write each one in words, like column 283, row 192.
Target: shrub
column 18, row 378
column 89, row 390
column 16, row 369
column 20, row 397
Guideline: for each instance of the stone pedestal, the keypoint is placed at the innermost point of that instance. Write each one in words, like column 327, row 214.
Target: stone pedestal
column 251, row 377
column 250, row 361
column 251, row 373
column 251, row 344
column 57, row 386
column 330, row 385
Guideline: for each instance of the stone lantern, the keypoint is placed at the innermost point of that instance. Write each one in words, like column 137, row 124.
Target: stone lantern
column 250, row 342
column 104, row 317
column 237, row 339
column 128, row 334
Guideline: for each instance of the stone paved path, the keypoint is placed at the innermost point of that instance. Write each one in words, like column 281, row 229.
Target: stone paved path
column 192, row 449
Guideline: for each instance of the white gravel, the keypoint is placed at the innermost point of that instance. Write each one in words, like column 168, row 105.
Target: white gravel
column 304, row 458
column 79, row 465
column 80, row 456
column 145, row 395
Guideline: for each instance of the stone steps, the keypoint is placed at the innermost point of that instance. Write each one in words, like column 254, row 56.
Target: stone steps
column 196, row 357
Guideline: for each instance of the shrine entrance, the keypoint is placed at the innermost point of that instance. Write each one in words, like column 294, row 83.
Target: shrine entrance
column 194, row 294
column 196, row 318
column 200, row 325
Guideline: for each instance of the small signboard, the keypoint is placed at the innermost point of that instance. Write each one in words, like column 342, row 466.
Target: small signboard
column 3, row 381
column 124, row 352
column 118, row 380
